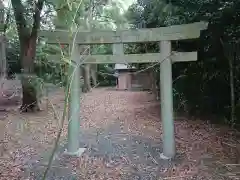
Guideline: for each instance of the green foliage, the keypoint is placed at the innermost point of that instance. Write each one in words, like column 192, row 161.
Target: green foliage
column 45, row 69
column 105, row 75
column 201, row 87
column 50, row 71
column 68, row 14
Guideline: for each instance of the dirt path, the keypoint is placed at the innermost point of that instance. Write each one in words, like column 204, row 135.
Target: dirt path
column 122, row 134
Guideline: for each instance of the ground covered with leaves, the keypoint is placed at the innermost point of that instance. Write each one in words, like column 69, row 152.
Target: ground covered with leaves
column 121, row 132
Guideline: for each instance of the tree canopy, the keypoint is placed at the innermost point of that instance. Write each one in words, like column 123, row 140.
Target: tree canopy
column 201, row 87
column 208, row 86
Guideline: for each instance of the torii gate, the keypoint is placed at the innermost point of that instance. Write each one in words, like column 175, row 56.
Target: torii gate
column 163, row 35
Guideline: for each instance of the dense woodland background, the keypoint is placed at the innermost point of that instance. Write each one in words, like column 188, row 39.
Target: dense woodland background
column 208, row 88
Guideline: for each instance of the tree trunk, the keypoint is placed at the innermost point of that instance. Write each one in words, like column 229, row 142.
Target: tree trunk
column 28, row 42
column 87, row 84
column 157, row 81
column 232, row 94
column 93, row 70
column 230, row 54
column 30, row 99
column 3, row 63
column 153, row 82
column 85, row 72
column 82, row 78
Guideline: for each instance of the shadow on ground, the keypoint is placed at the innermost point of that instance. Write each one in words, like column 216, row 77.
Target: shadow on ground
column 139, row 157
column 121, row 154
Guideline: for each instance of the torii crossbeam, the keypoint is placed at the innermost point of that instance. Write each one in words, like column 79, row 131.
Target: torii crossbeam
column 163, row 35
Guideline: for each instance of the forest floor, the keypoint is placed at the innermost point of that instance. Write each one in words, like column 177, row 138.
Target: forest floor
column 121, row 132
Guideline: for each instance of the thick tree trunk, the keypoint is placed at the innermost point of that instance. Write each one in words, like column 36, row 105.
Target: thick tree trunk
column 87, row 84
column 28, row 42
column 30, row 99
column 85, row 72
